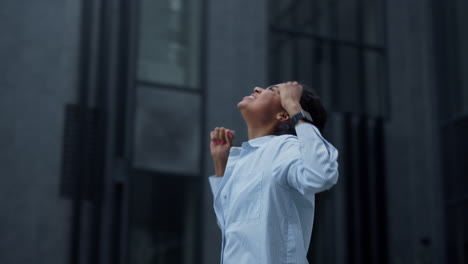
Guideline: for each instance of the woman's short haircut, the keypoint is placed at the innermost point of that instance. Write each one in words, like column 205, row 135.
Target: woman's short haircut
column 311, row 103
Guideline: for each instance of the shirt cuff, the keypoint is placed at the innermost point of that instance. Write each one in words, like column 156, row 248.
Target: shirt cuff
column 215, row 183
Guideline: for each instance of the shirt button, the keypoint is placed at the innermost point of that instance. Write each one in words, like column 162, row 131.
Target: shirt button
column 225, row 197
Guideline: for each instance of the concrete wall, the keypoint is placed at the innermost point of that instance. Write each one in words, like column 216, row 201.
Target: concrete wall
column 38, row 54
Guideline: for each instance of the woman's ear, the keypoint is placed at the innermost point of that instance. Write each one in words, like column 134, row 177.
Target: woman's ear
column 282, row 116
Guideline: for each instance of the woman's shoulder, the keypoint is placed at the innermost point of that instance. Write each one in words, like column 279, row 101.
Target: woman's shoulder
column 286, row 137
column 283, row 141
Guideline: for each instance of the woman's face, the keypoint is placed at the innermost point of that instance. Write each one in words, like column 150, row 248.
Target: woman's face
column 263, row 104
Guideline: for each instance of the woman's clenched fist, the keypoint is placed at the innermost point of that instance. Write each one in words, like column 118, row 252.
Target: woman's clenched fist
column 221, row 143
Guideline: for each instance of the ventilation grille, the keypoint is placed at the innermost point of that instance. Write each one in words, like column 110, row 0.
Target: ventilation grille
column 81, row 166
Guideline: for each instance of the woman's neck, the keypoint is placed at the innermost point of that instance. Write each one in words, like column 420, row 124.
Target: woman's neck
column 256, row 132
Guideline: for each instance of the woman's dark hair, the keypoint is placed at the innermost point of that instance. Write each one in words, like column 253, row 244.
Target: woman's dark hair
column 311, row 103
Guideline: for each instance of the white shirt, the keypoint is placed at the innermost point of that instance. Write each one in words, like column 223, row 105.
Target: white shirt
column 265, row 201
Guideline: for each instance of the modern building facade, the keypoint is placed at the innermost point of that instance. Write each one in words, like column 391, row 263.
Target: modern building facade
column 107, row 107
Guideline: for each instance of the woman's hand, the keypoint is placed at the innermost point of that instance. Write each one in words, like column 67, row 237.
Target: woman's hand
column 290, row 93
column 221, row 143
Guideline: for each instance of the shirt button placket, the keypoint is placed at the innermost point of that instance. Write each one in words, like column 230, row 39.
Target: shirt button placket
column 224, row 203
column 224, row 200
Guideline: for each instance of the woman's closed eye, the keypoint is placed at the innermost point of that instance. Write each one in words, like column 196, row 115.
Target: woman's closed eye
column 273, row 88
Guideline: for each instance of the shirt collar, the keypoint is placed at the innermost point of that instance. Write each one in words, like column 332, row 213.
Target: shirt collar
column 257, row 142
column 253, row 143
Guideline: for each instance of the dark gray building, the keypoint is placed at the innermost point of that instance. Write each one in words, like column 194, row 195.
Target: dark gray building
column 106, row 108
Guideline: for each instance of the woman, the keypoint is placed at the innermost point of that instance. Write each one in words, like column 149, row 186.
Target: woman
column 264, row 191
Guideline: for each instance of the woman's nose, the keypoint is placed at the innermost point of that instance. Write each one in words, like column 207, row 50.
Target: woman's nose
column 258, row 90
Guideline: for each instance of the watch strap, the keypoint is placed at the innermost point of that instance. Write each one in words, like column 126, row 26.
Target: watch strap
column 302, row 115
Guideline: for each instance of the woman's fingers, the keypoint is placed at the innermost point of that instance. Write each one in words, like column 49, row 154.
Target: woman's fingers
column 229, row 135
column 218, row 134
column 213, row 137
column 221, row 135
column 232, row 132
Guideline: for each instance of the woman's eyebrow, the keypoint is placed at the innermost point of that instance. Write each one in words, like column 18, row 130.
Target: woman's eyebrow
column 272, row 86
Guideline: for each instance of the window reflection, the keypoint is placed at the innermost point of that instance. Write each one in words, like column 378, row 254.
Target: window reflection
column 167, row 132
column 169, row 42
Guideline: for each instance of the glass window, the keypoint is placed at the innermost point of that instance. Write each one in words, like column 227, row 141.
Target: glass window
column 455, row 93
column 334, row 46
column 163, row 219
column 165, row 181
column 167, row 132
column 377, row 98
column 169, row 42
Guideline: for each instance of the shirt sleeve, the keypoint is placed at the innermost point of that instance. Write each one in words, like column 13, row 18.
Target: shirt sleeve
column 215, row 183
column 307, row 163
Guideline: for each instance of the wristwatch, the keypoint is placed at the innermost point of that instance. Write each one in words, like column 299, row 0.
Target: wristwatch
column 302, row 115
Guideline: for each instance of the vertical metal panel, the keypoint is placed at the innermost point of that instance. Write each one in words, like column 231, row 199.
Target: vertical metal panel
column 376, row 202
column 338, row 132
column 365, row 190
column 203, row 72
column 88, row 170
column 385, row 96
column 80, row 161
column 360, row 36
column 355, row 190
